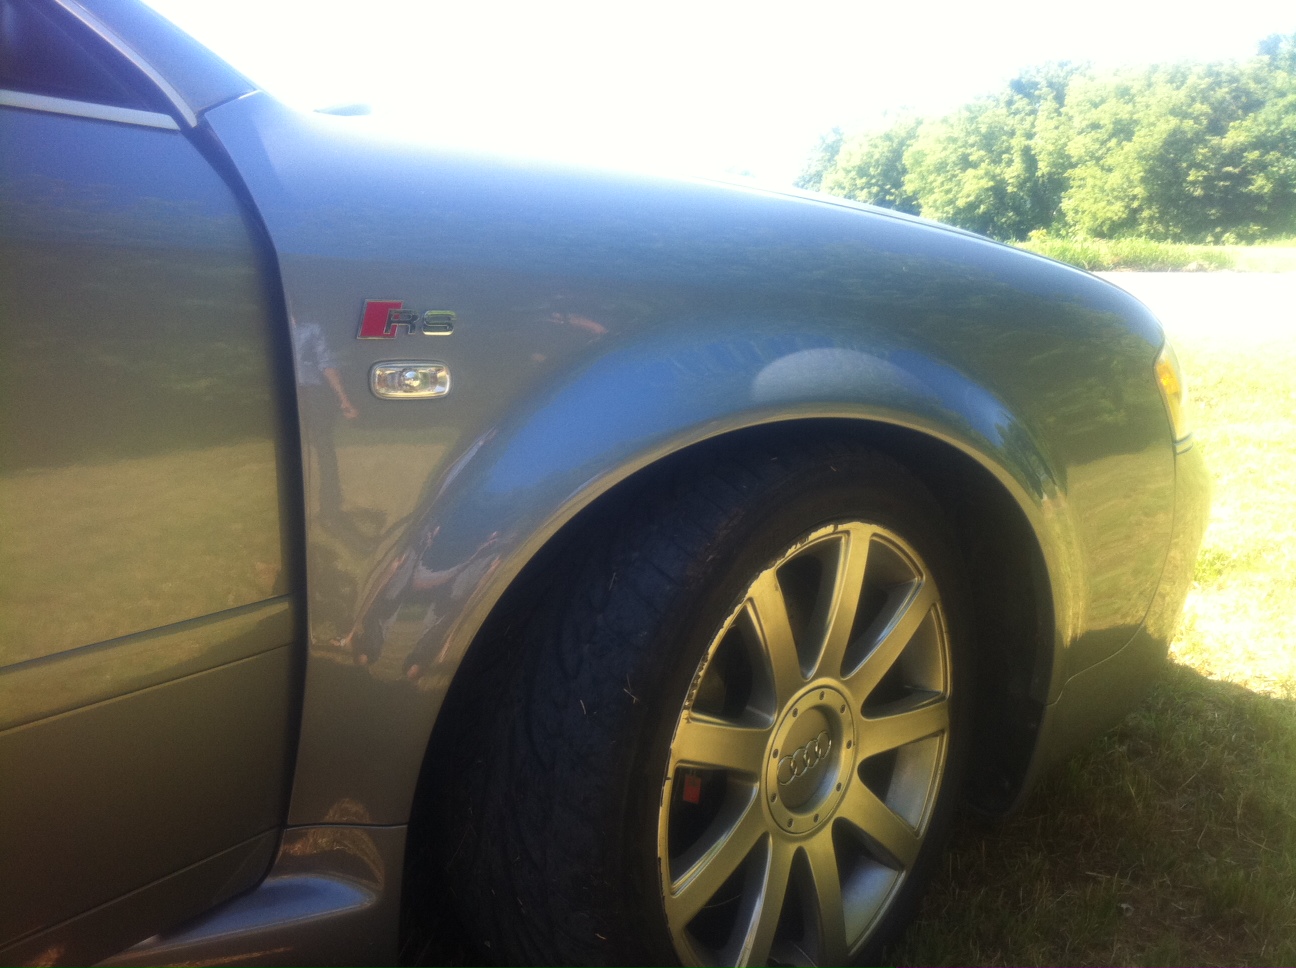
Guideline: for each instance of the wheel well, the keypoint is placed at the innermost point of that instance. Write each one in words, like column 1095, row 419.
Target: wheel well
column 1004, row 564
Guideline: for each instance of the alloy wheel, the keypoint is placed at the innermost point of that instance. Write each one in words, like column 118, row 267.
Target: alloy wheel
column 808, row 755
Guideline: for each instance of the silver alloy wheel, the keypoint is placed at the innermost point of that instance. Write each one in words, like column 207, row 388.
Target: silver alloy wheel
column 808, row 756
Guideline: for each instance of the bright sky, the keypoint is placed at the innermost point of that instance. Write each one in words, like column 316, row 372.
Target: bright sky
column 696, row 87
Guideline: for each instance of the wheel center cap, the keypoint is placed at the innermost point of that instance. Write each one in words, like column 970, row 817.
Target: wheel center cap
column 811, row 759
column 804, row 756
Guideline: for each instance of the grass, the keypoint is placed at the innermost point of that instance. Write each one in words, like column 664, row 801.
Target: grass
column 1239, row 621
column 1139, row 254
column 1277, row 255
column 1099, row 255
column 1173, row 839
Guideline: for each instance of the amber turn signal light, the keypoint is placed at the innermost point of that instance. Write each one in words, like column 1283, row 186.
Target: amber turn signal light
column 1174, row 389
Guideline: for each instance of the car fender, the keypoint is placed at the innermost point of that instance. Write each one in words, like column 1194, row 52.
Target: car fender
column 589, row 343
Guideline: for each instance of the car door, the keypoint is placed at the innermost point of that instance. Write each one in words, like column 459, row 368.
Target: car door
column 147, row 614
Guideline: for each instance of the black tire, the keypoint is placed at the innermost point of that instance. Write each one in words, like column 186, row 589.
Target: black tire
column 597, row 770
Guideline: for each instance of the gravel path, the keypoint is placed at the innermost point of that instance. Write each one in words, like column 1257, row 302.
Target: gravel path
column 1247, row 308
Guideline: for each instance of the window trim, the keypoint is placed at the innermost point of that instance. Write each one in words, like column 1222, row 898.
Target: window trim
column 85, row 109
column 111, row 38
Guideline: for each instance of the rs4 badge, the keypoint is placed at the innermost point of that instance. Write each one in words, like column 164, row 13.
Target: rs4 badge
column 383, row 319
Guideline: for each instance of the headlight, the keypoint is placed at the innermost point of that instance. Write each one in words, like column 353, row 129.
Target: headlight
column 1174, row 389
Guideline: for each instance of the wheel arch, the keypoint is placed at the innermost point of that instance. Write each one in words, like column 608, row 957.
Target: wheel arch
column 513, row 489
column 992, row 534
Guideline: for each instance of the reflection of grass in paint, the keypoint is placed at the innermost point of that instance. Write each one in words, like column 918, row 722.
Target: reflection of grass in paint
column 1117, row 567
column 97, row 551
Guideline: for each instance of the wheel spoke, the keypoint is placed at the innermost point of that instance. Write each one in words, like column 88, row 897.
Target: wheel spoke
column 763, row 905
column 708, row 742
column 848, row 583
column 913, row 608
column 825, row 879
column 896, row 841
column 714, row 863
column 880, row 733
column 778, row 647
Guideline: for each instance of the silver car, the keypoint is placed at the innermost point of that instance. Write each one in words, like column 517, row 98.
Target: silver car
column 401, row 541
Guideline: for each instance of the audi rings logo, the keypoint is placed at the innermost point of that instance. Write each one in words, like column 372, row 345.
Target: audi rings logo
column 800, row 762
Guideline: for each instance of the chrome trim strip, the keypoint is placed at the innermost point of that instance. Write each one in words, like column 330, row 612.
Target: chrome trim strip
column 110, row 37
column 84, row 109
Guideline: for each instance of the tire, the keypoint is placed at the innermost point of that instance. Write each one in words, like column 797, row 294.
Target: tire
column 733, row 733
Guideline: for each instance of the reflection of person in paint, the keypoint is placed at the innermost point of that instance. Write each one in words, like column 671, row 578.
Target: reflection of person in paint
column 408, row 572
column 320, row 391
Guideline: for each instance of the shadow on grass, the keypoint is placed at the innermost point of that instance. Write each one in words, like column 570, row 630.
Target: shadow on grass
column 1172, row 840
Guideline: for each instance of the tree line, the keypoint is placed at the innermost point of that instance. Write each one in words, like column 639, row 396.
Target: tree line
column 1184, row 152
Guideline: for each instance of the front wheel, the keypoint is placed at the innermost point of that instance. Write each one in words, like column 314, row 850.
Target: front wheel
column 737, row 740
column 808, row 759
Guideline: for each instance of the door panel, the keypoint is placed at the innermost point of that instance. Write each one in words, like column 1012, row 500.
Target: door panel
column 147, row 631
column 104, row 799
column 139, row 480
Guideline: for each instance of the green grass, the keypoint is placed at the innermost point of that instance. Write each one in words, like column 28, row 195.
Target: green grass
column 1099, row 255
column 1173, row 839
column 1135, row 254
column 1276, row 256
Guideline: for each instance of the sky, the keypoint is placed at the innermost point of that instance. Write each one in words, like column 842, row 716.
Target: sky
column 697, row 88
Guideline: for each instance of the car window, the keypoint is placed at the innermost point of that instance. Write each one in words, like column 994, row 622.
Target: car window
column 44, row 52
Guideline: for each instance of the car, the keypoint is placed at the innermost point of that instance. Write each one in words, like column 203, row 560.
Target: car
column 408, row 543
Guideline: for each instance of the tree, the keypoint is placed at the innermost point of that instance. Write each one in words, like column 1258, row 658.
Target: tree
column 1280, row 52
column 1261, row 148
column 998, row 165
column 1187, row 152
column 821, row 161
column 871, row 167
column 1183, row 152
